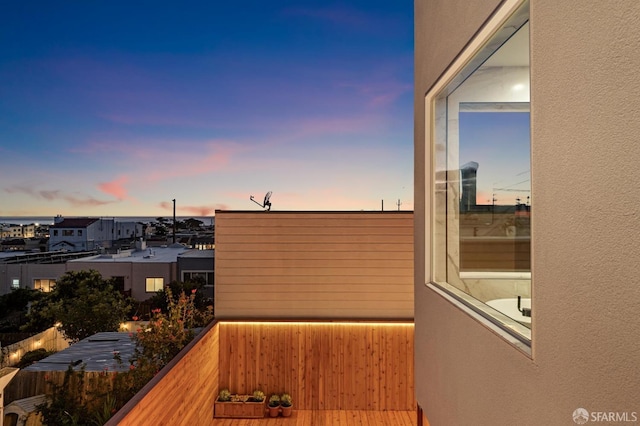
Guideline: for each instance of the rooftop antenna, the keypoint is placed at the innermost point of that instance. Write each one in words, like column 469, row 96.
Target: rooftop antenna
column 266, row 204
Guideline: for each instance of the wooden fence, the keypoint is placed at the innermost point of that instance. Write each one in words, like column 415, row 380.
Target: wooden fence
column 50, row 339
column 333, row 366
column 324, row 366
column 26, row 384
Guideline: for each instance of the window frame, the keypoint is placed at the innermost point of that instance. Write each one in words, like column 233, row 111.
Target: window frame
column 155, row 286
column 51, row 282
column 488, row 39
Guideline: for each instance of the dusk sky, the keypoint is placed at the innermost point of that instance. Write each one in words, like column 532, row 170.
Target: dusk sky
column 500, row 143
column 116, row 108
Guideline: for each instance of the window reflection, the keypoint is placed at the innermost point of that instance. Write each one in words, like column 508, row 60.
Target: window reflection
column 482, row 191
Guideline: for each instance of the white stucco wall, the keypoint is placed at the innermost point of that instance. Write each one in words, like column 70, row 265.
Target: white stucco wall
column 585, row 104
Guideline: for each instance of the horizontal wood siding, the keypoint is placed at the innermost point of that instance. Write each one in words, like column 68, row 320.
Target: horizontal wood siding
column 185, row 395
column 314, row 265
column 495, row 254
column 324, row 366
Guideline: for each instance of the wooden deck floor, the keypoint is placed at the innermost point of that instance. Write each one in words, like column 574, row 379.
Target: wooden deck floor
column 329, row 418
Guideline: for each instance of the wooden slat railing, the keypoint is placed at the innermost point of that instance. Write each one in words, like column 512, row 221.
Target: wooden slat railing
column 183, row 392
column 333, row 366
column 324, row 366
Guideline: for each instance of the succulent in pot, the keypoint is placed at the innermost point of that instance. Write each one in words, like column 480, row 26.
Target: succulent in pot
column 224, row 395
column 274, row 405
column 287, row 404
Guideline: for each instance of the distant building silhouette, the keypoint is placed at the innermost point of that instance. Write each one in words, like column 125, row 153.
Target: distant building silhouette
column 468, row 174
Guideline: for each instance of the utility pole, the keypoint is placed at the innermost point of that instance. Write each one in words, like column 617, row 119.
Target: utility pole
column 493, row 207
column 174, row 221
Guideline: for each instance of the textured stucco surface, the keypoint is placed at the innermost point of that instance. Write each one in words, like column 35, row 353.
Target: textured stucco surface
column 585, row 114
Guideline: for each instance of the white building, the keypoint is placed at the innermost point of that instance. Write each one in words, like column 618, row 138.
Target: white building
column 18, row 231
column 80, row 234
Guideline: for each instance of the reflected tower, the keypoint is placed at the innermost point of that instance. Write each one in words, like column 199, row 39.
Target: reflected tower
column 468, row 174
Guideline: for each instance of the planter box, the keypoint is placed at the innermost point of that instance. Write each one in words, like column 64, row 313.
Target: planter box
column 239, row 410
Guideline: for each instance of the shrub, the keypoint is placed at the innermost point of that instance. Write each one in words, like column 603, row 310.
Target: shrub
column 33, row 356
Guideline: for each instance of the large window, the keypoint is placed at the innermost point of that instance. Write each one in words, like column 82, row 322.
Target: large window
column 154, row 284
column 479, row 133
column 44, row 284
column 205, row 277
column 118, row 283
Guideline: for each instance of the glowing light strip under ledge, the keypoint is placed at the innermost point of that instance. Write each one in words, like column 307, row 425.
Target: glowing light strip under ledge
column 284, row 322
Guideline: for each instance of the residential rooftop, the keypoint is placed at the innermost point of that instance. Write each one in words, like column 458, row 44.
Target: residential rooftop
column 80, row 222
column 95, row 353
column 148, row 255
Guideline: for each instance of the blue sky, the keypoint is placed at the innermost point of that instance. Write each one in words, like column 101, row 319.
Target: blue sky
column 115, row 108
column 500, row 143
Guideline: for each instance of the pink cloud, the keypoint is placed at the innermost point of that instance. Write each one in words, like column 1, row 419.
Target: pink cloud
column 328, row 125
column 216, row 156
column 54, row 195
column 85, row 201
column 160, row 159
column 49, row 195
column 193, row 210
column 380, row 94
column 115, row 188
column 165, row 205
column 203, row 210
column 171, row 118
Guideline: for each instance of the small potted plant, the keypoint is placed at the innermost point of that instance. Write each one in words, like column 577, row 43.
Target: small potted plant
column 274, row 405
column 258, row 396
column 286, row 404
column 224, row 395
column 239, row 406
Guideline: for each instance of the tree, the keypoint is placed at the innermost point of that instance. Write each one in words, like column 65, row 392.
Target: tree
column 17, row 299
column 175, row 289
column 83, row 303
column 192, row 223
column 13, row 308
column 157, row 343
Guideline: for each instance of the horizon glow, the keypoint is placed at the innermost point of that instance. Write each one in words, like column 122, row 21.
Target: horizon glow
column 114, row 109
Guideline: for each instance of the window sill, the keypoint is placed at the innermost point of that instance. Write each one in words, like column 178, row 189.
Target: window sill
column 495, row 275
column 507, row 328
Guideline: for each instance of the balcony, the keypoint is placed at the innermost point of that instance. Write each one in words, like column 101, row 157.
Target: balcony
column 320, row 266
column 338, row 373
